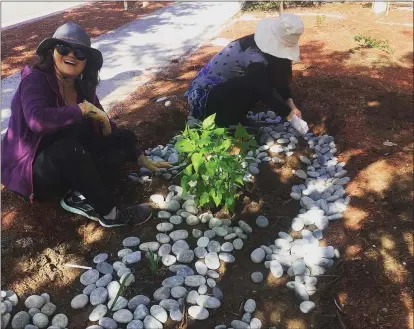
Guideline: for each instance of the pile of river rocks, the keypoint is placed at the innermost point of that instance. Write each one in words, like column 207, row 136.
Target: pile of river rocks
column 195, row 268
column 38, row 314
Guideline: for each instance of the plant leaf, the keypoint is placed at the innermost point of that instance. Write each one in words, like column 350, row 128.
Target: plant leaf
column 219, row 131
column 241, row 132
column 204, row 199
column 188, row 170
column 197, row 161
column 217, row 196
column 230, row 202
column 211, row 167
column 239, row 180
column 208, row 123
column 185, row 146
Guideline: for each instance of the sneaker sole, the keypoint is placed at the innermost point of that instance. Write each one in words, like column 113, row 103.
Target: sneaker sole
column 77, row 211
column 118, row 225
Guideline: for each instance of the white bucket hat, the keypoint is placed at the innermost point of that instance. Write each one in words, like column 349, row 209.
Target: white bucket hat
column 279, row 37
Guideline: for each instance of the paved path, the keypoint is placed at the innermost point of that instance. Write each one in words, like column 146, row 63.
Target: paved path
column 15, row 13
column 148, row 42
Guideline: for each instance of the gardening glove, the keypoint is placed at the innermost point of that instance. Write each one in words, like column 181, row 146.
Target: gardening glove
column 92, row 112
column 154, row 166
column 300, row 125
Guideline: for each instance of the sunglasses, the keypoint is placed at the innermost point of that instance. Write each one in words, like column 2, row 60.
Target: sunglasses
column 65, row 50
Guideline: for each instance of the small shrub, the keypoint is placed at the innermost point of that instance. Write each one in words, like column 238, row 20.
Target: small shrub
column 120, row 291
column 261, row 6
column 275, row 5
column 153, row 261
column 215, row 171
column 371, row 42
column 319, row 20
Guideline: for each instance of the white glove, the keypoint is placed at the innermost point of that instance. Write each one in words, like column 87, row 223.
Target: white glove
column 299, row 124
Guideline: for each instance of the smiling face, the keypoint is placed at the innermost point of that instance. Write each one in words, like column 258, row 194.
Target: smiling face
column 68, row 65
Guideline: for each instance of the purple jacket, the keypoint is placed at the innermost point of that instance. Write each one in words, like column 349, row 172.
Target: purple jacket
column 37, row 109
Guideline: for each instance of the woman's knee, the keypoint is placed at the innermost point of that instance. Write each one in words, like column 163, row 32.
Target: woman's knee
column 69, row 148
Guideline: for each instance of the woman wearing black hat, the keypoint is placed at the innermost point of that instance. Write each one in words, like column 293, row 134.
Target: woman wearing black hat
column 60, row 142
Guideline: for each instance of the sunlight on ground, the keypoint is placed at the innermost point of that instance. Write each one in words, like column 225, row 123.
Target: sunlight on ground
column 42, row 269
column 7, row 220
column 376, row 178
column 91, row 233
column 295, row 324
column 352, row 251
column 387, row 242
column 343, row 298
column 394, row 270
column 408, row 238
column 354, row 218
column 408, row 303
column 272, row 282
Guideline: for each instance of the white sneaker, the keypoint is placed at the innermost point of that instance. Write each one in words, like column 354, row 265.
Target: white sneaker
column 300, row 125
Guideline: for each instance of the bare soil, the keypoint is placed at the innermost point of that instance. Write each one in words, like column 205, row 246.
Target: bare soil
column 362, row 97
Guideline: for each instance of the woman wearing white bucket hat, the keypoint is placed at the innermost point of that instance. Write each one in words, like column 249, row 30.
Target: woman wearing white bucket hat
column 253, row 68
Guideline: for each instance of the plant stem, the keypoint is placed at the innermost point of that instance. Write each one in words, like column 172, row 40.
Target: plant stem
column 121, row 290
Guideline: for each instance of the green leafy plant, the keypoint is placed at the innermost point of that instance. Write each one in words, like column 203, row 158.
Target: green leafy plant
column 153, row 261
column 120, row 290
column 274, row 5
column 319, row 20
column 215, row 171
column 371, row 42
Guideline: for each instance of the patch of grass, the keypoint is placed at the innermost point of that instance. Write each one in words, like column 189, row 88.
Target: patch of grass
column 319, row 20
column 371, row 42
column 153, row 261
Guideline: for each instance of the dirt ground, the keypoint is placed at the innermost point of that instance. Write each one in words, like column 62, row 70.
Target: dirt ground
column 18, row 44
column 362, row 97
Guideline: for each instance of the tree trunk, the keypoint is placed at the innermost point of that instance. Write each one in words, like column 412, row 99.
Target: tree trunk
column 145, row 4
column 281, row 7
column 125, row 5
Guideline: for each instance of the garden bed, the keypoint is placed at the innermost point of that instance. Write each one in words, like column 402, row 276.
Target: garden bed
column 362, row 97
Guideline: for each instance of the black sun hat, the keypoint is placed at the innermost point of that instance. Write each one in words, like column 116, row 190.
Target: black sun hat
column 74, row 34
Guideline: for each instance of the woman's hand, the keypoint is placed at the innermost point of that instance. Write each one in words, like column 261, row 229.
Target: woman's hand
column 154, row 166
column 297, row 112
column 91, row 111
column 293, row 108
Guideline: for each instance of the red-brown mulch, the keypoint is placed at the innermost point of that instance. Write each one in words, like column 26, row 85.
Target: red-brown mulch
column 18, row 44
column 362, row 97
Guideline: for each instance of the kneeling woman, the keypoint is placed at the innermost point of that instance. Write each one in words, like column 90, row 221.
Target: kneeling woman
column 60, row 142
column 255, row 67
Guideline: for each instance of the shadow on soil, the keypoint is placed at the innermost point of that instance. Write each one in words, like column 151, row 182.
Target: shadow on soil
column 361, row 107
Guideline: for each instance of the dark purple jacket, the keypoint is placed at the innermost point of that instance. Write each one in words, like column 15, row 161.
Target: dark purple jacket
column 37, row 109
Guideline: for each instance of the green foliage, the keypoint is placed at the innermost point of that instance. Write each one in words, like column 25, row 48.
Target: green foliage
column 371, row 42
column 120, row 291
column 275, row 5
column 261, row 6
column 153, row 261
column 214, row 174
column 319, row 20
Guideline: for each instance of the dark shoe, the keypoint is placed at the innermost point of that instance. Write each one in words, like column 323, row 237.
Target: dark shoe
column 139, row 214
column 75, row 202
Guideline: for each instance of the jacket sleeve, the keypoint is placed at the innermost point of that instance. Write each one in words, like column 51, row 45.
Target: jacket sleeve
column 98, row 105
column 40, row 116
column 257, row 73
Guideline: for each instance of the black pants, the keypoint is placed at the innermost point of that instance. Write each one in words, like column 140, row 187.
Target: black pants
column 84, row 164
column 231, row 101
